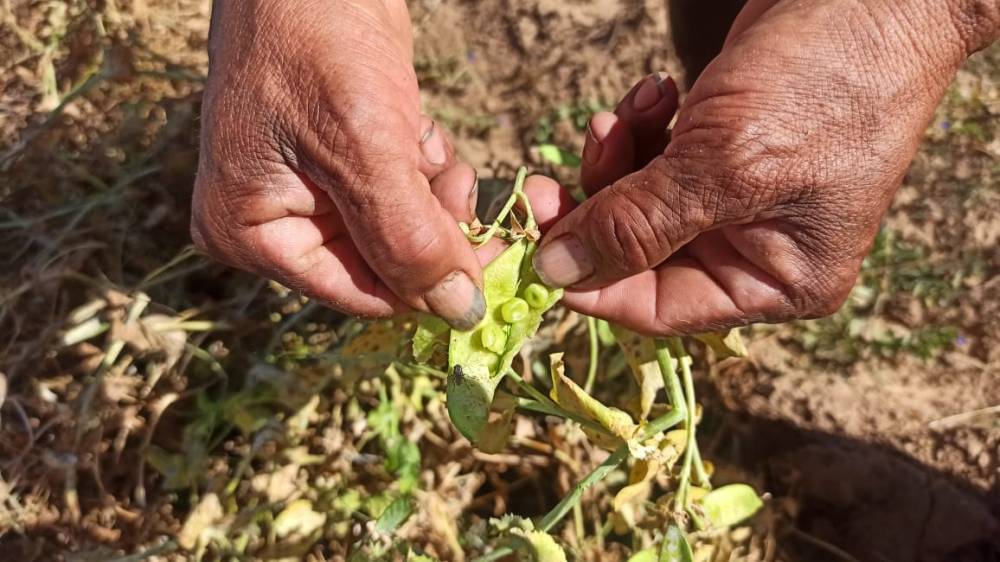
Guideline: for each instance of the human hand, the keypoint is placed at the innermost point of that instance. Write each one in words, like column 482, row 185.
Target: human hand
column 781, row 165
column 317, row 168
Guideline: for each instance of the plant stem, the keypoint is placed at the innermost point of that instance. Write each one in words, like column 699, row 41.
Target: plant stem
column 578, row 524
column 562, row 508
column 508, row 206
column 682, row 500
column 668, row 370
column 553, row 517
column 595, row 351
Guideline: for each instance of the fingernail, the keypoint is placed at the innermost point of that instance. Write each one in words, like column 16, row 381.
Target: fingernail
column 563, row 262
column 649, row 94
column 432, row 146
column 592, row 150
column 458, row 301
column 474, row 196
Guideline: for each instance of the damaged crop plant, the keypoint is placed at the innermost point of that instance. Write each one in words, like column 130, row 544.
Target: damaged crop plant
column 484, row 394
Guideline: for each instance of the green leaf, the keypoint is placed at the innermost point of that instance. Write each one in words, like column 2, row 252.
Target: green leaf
column 394, row 515
column 675, row 546
column 558, row 156
column 729, row 505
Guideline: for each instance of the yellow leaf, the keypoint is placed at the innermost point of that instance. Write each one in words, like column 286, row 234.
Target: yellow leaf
column 570, row 396
column 298, row 518
column 640, row 353
column 198, row 528
column 725, row 344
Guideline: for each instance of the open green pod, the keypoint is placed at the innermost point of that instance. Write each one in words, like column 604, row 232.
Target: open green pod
column 479, row 358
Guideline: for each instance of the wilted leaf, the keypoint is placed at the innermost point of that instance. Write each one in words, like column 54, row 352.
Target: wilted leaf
column 198, row 528
column 640, row 352
column 629, row 500
column 729, row 505
column 528, row 542
column 725, row 344
column 494, row 436
column 541, row 546
column 279, row 485
column 298, row 518
column 570, row 396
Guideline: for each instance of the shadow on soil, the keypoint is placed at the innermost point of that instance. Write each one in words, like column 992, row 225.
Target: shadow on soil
column 868, row 500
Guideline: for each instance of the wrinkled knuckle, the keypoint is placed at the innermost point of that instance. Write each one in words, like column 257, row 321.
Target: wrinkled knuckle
column 822, row 297
column 977, row 23
column 625, row 233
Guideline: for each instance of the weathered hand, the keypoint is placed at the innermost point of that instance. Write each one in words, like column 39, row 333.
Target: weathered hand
column 783, row 161
column 317, row 168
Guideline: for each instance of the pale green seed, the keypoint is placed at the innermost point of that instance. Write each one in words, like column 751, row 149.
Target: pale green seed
column 514, row 310
column 493, row 338
column 536, row 295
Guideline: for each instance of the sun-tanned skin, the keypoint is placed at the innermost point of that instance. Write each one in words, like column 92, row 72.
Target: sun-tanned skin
column 318, row 170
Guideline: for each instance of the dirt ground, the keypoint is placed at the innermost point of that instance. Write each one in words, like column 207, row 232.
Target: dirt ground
column 876, row 432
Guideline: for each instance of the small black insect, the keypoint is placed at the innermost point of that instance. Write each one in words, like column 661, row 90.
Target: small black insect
column 459, row 375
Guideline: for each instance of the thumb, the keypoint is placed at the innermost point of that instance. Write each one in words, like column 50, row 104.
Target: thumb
column 631, row 227
column 416, row 248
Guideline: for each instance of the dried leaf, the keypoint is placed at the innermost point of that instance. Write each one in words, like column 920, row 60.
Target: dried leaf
column 570, row 396
column 277, row 486
column 198, row 529
column 298, row 518
column 640, row 352
column 725, row 344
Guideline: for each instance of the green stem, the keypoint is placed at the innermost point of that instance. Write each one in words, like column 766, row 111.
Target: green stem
column 595, row 351
column 531, row 390
column 668, row 370
column 553, row 517
column 683, row 488
column 562, row 508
